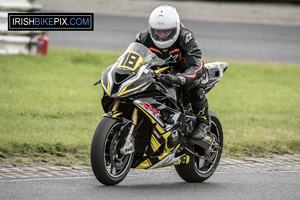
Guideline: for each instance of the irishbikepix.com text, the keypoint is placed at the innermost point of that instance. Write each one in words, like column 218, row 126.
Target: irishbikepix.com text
column 51, row 21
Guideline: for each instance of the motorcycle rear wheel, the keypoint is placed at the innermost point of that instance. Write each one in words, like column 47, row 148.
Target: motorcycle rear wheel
column 198, row 169
column 110, row 167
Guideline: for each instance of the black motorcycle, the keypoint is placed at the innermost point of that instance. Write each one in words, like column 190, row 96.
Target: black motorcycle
column 147, row 125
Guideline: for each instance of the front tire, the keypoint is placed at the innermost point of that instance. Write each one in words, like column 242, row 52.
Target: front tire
column 198, row 169
column 110, row 167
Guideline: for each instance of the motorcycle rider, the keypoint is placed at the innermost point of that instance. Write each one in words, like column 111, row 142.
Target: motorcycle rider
column 170, row 40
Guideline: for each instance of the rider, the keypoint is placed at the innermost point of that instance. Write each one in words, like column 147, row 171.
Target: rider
column 170, row 40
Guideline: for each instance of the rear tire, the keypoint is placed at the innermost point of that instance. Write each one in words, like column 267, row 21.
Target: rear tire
column 199, row 170
column 109, row 166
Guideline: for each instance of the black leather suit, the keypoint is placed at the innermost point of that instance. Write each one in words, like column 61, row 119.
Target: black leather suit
column 185, row 56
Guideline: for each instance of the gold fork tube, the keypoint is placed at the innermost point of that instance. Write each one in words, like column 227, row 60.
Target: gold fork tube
column 116, row 105
column 135, row 116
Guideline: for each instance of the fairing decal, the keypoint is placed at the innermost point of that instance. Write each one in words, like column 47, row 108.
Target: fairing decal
column 107, row 81
column 154, row 143
column 149, row 113
column 130, row 61
column 113, row 114
column 124, row 88
column 158, row 141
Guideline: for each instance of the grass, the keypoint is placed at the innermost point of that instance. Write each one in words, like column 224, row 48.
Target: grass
column 49, row 107
column 259, row 106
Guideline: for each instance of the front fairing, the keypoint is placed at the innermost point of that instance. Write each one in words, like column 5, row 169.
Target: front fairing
column 131, row 73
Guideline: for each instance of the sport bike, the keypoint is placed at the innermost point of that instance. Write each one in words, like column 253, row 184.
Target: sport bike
column 147, row 125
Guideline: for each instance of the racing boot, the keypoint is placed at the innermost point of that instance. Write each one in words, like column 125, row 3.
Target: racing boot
column 201, row 134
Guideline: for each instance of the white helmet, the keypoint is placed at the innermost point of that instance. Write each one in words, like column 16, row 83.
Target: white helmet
column 164, row 18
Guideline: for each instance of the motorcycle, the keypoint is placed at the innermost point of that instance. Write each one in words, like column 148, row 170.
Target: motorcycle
column 147, row 125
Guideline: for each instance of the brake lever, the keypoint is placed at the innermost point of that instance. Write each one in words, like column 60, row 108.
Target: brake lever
column 158, row 77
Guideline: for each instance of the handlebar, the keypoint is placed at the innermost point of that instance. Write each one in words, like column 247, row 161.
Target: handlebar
column 158, row 77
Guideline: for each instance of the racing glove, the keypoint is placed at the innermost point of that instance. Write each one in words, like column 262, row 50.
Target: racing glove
column 170, row 80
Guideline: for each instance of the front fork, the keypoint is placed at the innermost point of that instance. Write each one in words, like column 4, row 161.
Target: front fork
column 128, row 147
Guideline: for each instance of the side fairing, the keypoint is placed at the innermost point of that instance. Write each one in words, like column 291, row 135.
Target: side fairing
column 120, row 82
column 139, row 80
column 159, row 153
column 106, row 79
column 214, row 73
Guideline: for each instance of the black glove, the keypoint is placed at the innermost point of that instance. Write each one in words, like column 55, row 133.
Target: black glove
column 170, row 80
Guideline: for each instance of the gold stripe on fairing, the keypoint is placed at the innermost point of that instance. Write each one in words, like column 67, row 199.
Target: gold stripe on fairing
column 154, row 143
column 144, row 164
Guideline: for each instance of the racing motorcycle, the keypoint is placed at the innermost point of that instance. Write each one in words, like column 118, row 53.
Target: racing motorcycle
column 147, row 125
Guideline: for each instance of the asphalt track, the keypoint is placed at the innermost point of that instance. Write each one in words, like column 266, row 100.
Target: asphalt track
column 219, row 40
column 159, row 185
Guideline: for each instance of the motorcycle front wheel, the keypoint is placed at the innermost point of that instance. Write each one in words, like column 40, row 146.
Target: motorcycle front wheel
column 199, row 169
column 110, row 167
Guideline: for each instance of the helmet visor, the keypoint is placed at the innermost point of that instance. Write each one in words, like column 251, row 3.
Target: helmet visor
column 163, row 35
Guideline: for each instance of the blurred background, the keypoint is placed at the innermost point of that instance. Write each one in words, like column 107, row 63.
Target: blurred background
column 249, row 30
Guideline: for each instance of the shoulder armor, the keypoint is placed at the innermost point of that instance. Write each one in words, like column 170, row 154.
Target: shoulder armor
column 141, row 36
column 186, row 36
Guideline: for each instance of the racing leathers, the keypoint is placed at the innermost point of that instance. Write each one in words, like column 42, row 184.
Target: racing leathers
column 185, row 56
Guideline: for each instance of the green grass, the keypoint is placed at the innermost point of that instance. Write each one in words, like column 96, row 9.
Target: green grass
column 259, row 106
column 49, row 107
